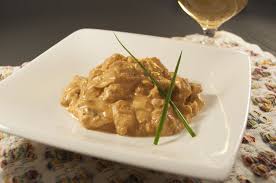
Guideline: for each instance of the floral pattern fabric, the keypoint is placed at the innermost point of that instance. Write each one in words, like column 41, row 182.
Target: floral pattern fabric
column 25, row 161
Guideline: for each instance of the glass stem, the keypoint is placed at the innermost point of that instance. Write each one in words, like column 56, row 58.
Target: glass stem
column 209, row 32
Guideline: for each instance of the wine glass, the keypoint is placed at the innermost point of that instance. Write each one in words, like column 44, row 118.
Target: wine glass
column 211, row 14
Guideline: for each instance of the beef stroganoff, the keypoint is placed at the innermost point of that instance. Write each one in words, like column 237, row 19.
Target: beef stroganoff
column 117, row 97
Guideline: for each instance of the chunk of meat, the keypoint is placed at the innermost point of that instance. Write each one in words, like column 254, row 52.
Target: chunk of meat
column 73, row 90
column 142, row 108
column 93, row 116
column 124, row 118
column 115, row 92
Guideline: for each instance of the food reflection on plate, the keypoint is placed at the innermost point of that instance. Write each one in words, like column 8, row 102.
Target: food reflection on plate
column 117, row 97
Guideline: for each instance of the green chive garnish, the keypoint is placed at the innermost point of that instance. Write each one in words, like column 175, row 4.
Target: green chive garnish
column 161, row 92
column 166, row 105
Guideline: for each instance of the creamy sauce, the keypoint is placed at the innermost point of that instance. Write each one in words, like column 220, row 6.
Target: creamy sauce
column 117, row 97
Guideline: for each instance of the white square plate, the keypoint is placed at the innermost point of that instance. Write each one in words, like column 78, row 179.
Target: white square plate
column 30, row 107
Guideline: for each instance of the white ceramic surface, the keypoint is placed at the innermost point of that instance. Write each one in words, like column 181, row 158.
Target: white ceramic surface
column 29, row 103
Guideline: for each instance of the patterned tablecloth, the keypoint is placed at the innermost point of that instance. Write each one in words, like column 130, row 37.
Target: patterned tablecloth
column 25, row 161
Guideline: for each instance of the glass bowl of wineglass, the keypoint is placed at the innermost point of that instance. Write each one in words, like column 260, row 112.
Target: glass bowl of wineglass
column 211, row 14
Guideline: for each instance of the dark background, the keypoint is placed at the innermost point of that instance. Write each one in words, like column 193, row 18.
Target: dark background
column 29, row 27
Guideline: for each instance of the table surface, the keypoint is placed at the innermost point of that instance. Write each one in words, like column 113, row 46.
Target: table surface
column 28, row 28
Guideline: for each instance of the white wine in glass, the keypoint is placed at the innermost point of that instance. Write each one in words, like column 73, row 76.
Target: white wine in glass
column 210, row 14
